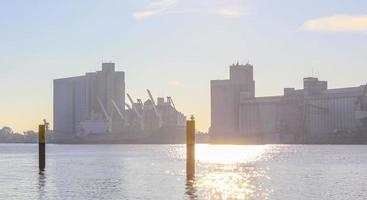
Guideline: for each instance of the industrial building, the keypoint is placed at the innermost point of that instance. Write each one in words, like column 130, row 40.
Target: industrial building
column 89, row 104
column 314, row 114
column 225, row 101
column 92, row 107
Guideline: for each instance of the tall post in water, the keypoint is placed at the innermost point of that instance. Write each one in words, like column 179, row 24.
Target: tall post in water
column 42, row 147
column 190, row 148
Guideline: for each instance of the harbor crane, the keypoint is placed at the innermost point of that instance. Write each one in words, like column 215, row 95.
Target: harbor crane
column 133, row 107
column 170, row 101
column 107, row 117
column 140, row 103
column 138, row 114
column 155, row 109
column 128, row 106
column 123, row 118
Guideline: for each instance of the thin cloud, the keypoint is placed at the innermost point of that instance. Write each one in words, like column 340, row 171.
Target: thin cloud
column 338, row 23
column 221, row 12
column 144, row 14
column 167, row 7
column 155, row 8
column 230, row 12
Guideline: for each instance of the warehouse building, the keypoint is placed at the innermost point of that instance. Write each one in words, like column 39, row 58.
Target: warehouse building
column 225, row 101
column 314, row 114
column 89, row 104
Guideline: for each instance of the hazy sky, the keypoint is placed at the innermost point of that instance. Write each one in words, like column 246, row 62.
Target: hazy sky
column 174, row 47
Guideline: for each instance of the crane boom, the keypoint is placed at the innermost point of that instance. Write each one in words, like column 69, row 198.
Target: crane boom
column 128, row 106
column 118, row 110
column 155, row 109
column 108, row 118
column 153, row 102
column 171, row 102
column 133, row 107
column 130, row 99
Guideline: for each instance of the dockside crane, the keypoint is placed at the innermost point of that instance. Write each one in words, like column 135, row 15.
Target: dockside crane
column 138, row 114
column 139, row 119
column 170, row 101
column 123, row 118
column 140, row 103
column 107, row 117
column 128, row 106
column 155, row 109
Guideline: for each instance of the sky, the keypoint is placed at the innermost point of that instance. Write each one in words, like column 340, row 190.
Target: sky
column 174, row 48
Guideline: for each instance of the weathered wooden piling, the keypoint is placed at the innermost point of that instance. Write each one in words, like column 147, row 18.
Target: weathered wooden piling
column 190, row 148
column 42, row 147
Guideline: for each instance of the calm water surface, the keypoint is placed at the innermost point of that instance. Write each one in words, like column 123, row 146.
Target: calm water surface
column 158, row 172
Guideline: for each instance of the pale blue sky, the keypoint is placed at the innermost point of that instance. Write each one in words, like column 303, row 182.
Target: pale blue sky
column 174, row 47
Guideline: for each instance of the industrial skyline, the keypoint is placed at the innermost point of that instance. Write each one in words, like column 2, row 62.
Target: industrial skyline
column 93, row 108
column 174, row 47
column 313, row 114
column 183, row 99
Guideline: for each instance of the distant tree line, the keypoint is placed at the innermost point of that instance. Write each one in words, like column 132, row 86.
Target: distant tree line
column 7, row 135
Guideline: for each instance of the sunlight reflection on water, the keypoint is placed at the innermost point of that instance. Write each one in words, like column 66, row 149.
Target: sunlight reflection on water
column 229, row 172
column 158, row 172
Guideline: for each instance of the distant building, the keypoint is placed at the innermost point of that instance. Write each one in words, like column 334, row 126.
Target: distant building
column 89, row 104
column 225, row 101
column 92, row 108
column 314, row 114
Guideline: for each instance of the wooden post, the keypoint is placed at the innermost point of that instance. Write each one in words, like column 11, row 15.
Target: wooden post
column 190, row 148
column 42, row 147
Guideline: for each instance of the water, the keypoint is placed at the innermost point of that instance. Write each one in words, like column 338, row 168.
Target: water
column 158, row 172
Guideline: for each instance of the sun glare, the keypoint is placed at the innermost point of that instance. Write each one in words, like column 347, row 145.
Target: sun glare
column 231, row 172
column 226, row 154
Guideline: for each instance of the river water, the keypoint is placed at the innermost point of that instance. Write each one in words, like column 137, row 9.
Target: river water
column 158, row 172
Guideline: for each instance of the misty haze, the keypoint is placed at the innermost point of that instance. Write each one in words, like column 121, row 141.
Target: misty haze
column 173, row 99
